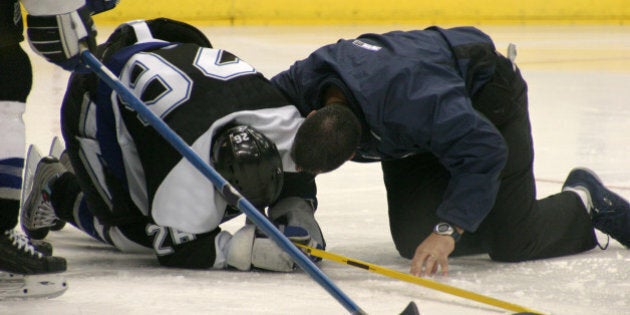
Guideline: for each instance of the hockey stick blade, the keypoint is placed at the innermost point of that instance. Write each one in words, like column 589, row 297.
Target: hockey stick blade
column 411, row 309
column 232, row 196
column 416, row 280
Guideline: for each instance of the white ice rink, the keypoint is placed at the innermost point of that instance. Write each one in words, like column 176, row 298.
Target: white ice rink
column 579, row 81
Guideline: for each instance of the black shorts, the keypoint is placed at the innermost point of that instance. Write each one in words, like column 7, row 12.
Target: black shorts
column 11, row 25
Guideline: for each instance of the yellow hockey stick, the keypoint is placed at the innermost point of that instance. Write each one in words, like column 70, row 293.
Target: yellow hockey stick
column 416, row 280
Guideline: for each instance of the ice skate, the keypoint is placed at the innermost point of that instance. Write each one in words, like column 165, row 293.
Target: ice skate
column 609, row 211
column 43, row 247
column 58, row 151
column 27, row 273
column 37, row 215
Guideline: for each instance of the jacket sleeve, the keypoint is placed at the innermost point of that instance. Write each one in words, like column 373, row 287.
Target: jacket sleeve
column 433, row 114
column 302, row 83
column 285, row 81
column 474, row 152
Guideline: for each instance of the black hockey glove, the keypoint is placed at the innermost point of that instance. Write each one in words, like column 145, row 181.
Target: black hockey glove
column 101, row 6
column 57, row 37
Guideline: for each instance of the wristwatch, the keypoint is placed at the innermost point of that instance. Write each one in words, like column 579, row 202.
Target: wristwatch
column 444, row 228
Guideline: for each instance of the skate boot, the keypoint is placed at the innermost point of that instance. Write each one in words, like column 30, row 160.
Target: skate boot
column 58, row 151
column 609, row 211
column 27, row 273
column 43, row 247
column 37, row 215
column 18, row 255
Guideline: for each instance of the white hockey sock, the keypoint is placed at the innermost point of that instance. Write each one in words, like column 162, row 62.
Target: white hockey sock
column 12, row 130
column 12, row 146
column 584, row 196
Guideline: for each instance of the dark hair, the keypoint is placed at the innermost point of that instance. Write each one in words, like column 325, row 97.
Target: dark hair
column 326, row 139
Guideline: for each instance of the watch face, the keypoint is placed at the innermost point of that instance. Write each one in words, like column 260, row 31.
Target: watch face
column 443, row 228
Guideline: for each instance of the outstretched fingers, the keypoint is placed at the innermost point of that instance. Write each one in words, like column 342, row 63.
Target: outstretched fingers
column 432, row 255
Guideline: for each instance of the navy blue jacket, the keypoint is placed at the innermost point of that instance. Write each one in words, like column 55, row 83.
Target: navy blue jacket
column 412, row 90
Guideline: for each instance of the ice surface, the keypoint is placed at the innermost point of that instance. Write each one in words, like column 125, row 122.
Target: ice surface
column 579, row 79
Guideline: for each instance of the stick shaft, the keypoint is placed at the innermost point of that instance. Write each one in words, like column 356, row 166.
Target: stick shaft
column 415, row 280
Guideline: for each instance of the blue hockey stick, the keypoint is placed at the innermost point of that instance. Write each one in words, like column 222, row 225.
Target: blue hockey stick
column 232, row 196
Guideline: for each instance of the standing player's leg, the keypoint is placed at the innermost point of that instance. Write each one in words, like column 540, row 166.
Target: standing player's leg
column 24, row 271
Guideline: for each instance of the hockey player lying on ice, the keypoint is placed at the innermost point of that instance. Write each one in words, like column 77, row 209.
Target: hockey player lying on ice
column 126, row 186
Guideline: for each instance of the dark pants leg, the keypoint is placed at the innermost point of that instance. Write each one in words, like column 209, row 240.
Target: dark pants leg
column 518, row 227
column 415, row 186
column 523, row 228
column 15, row 85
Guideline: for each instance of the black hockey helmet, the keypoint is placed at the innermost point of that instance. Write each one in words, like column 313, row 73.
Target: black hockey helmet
column 250, row 162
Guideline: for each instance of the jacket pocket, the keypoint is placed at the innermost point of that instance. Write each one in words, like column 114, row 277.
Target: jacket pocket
column 504, row 96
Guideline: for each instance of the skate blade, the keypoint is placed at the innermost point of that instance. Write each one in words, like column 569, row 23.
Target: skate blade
column 21, row 287
column 32, row 158
column 56, row 147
